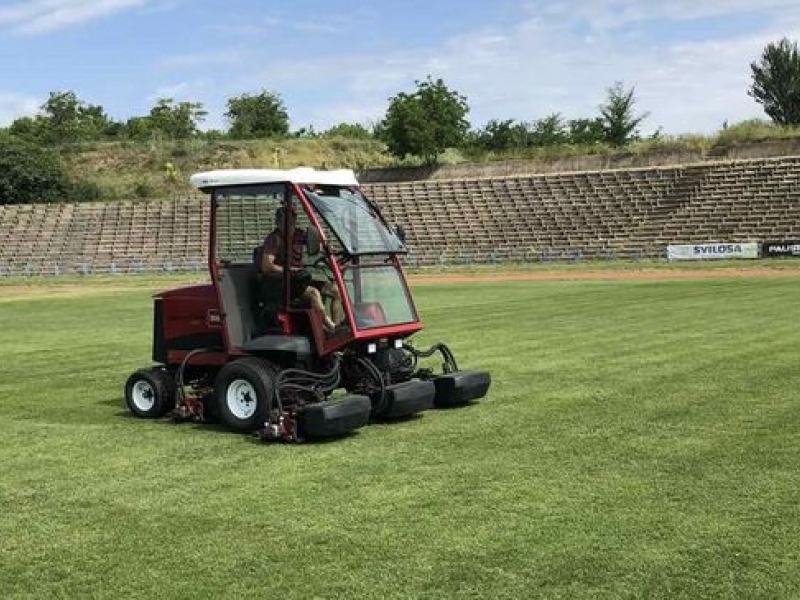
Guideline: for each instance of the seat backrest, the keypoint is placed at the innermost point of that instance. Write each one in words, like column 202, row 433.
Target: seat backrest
column 238, row 302
column 267, row 296
column 369, row 314
column 258, row 257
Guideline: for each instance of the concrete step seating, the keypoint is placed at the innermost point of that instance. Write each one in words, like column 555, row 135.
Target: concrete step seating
column 567, row 216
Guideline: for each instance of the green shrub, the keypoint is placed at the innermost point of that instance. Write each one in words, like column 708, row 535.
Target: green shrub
column 143, row 190
column 30, row 173
column 84, row 191
column 753, row 130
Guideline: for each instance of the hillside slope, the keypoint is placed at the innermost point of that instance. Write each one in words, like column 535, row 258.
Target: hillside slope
column 161, row 170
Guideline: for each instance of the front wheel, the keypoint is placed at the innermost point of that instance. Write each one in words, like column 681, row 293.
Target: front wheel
column 150, row 393
column 243, row 393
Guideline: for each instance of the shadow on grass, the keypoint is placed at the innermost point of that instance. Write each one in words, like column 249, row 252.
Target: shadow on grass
column 394, row 420
column 315, row 441
column 467, row 406
column 214, row 427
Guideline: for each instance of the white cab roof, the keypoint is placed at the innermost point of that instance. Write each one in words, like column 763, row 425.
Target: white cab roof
column 211, row 179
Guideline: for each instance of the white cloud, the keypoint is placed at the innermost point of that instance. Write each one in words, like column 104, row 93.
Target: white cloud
column 184, row 91
column 44, row 16
column 270, row 25
column 614, row 14
column 212, row 58
column 330, row 24
column 13, row 106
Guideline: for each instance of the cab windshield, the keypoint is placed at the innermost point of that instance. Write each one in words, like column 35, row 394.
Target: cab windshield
column 354, row 221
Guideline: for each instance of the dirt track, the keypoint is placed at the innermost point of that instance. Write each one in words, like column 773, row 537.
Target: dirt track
column 54, row 288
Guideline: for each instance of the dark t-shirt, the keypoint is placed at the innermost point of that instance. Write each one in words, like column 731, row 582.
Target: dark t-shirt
column 273, row 244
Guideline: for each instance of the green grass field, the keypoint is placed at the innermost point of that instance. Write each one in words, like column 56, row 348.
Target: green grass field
column 640, row 440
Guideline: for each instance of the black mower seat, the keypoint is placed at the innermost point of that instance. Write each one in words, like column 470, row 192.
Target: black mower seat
column 299, row 346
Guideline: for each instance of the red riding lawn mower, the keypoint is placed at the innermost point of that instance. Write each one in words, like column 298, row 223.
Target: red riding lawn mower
column 246, row 352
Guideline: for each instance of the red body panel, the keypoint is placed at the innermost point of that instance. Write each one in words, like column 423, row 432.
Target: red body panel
column 388, row 331
column 189, row 310
column 191, row 320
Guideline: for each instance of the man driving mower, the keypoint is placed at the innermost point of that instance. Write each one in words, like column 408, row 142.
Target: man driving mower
column 303, row 285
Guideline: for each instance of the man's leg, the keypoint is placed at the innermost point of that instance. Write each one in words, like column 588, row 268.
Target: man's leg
column 337, row 311
column 315, row 299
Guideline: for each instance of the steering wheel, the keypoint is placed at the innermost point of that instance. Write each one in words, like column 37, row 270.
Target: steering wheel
column 321, row 265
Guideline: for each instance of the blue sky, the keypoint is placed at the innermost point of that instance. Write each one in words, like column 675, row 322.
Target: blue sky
column 340, row 61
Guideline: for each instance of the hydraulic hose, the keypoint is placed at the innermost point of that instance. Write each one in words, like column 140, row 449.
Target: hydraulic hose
column 316, row 384
column 378, row 377
column 449, row 364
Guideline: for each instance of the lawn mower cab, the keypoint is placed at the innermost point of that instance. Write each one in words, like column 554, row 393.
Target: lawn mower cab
column 252, row 351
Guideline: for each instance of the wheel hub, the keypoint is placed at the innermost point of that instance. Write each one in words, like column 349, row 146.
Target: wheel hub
column 143, row 396
column 242, row 399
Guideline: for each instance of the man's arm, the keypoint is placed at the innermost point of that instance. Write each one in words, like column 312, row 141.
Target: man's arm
column 269, row 252
column 268, row 264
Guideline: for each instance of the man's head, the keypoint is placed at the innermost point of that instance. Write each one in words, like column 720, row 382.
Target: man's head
column 281, row 212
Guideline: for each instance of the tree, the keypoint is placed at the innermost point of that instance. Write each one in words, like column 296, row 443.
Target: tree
column 305, row 132
column 29, row 128
column 776, row 82
column 586, row 131
column 69, row 119
column 425, row 122
column 617, row 114
column 502, row 136
column 549, row 131
column 259, row 116
column 175, row 121
column 64, row 118
column 29, row 172
column 138, row 128
column 510, row 135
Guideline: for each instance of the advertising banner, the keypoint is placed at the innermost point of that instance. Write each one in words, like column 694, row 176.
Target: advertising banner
column 712, row 251
column 782, row 248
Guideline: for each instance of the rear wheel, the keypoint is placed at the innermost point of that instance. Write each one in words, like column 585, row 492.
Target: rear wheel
column 243, row 393
column 150, row 393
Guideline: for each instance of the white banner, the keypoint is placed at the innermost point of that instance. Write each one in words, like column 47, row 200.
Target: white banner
column 712, row 251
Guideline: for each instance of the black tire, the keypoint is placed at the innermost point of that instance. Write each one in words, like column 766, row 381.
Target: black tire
column 243, row 393
column 150, row 393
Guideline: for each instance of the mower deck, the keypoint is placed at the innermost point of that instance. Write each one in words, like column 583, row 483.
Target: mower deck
column 334, row 418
